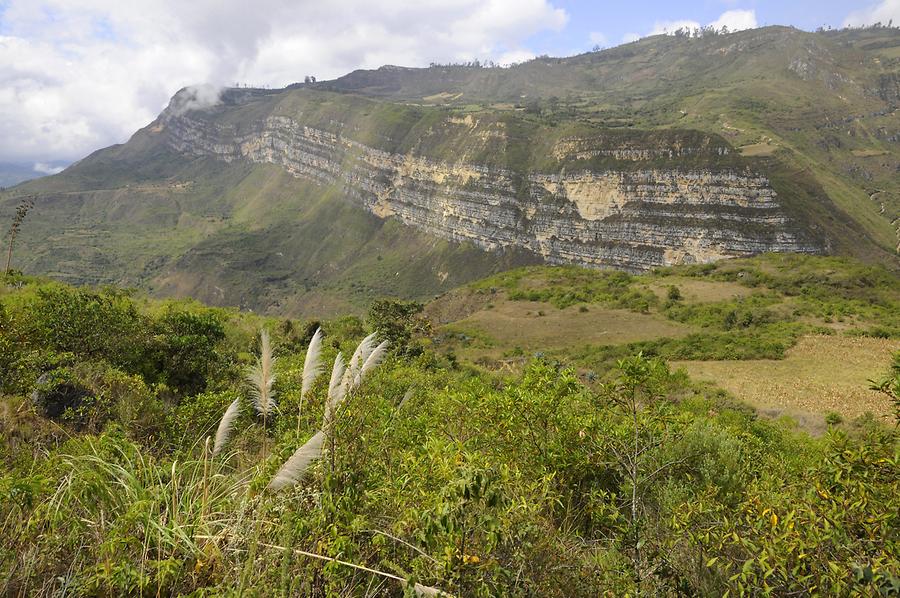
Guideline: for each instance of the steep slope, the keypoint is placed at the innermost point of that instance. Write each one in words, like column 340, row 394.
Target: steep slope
column 824, row 103
column 232, row 234
column 311, row 201
column 570, row 194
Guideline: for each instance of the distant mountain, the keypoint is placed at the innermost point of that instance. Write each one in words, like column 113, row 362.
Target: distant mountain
column 408, row 182
column 15, row 173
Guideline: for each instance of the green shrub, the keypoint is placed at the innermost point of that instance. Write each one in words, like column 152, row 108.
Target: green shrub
column 184, row 349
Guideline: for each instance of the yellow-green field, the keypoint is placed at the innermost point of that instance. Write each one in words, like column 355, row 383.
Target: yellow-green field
column 539, row 326
column 699, row 291
column 818, row 375
column 500, row 324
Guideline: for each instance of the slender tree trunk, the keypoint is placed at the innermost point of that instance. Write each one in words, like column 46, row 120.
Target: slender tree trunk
column 12, row 238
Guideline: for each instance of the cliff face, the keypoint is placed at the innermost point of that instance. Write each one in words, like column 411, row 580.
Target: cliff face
column 633, row 218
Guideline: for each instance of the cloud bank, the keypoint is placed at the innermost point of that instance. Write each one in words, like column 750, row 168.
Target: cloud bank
column 882, row 12
column 735, row 20
column 79, row 75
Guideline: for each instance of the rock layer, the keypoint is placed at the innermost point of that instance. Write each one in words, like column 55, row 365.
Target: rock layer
column 632, row 219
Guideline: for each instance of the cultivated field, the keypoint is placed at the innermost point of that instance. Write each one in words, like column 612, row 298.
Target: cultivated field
column 820, row 374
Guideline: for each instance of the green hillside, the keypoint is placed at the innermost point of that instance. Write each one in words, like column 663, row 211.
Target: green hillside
column 822, row 102
column 815, row 112
column 138, row 215
column 580, row 472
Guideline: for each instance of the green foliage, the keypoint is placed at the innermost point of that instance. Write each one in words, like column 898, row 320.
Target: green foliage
column 829, row 288
column 182, row 348
column 889, row 384
column 831, row 528
column 397, row 322
column 96, row 324
column 766, row 342
column 51, row 325
column 564, row 286
column 534, row 485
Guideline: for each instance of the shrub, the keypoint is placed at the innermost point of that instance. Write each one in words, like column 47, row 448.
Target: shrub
column 184, row 349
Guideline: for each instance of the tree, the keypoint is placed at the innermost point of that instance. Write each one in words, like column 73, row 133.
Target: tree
column 640, row 383
column 397, row 321
column 21, row 211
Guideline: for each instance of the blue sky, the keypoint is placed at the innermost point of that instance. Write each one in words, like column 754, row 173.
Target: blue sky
column 78, row 75
column 614, row 20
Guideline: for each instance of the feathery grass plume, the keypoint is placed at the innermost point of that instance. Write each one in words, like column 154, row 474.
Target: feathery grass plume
column 365, row 347
column 335, row 391
column 426, row 591
column 224, row 430
column 406, row 396
column 294, row 468
column 261, row 377
column 312, row 367
column 371, row 363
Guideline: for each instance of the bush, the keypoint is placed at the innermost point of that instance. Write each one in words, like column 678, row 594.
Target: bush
column 183, row 349
column 397, row 322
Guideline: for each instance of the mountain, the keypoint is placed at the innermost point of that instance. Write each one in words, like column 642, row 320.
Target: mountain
column 13, row 173
column 408, row 182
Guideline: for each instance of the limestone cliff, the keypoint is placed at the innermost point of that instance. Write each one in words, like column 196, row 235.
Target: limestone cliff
column 643, row 211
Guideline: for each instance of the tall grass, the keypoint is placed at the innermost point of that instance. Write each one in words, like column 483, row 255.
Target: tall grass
column 344, row 380
column 312, row 367
column 261, row 377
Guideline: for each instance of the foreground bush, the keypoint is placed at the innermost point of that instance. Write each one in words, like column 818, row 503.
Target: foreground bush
column 433, row 478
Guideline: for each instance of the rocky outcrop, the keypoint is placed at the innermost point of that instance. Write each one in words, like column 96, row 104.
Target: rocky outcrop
column 631, row 218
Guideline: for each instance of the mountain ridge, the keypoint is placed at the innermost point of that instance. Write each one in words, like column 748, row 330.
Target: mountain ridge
column 179, row 221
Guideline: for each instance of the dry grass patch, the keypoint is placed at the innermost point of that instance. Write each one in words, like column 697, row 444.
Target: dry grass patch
column 443, row 96
column 456, row 305
column 868, row 153
column 699, row 291
column 521, row 324
column 758, row 149
column 819, row 374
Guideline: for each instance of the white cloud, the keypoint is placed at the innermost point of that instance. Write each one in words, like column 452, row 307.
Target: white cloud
column 598, row 38
column 79, row 75
column 514, row 57
column 735, row 20
column 882, row 12
column 44, row 168
column 630, row 37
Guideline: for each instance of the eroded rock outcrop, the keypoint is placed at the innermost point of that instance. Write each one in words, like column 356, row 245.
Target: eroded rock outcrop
column 633, row 219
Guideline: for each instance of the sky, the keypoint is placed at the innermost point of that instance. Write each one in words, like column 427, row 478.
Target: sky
column 79, row 75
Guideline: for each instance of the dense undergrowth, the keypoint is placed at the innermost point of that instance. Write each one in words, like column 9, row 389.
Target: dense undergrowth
column 788, row 296
column 439, row 475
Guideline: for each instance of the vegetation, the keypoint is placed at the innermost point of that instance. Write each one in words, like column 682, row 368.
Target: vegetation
column 437, row 478
column 780, row 298
column 810, row 111
column 21, row 211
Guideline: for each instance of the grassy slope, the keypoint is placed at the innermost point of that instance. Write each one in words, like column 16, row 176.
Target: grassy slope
column 138, row 215
column 247, row 235
column 783, row 306
column 821, row 102
column 252, row 235
column 468, row 485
